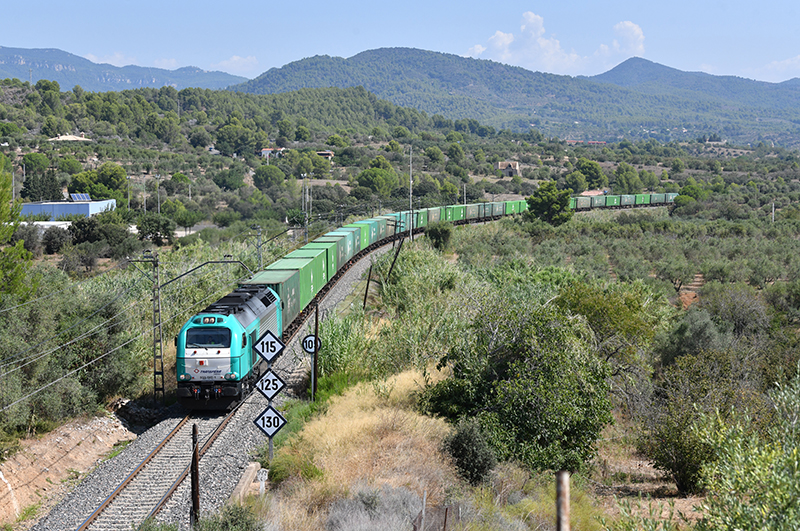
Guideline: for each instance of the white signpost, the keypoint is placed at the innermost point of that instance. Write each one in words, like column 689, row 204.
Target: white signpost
column 269, row 346
column 263, row 476
column 309, row 344
column 270, row 421
column 270, row 385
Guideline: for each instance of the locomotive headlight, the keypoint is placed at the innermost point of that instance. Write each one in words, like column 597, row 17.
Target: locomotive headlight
column 184, row 377
column 230, row 376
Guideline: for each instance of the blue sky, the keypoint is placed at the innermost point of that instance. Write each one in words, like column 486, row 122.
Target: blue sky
column 746, row 39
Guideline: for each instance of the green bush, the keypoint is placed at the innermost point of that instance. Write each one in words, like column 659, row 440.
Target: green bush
column 753, row 482
column 439, row 233
column 232, row 518
column 471, row 453
column 290, row 462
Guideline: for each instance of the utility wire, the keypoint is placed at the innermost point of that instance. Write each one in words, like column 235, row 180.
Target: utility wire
column 146, row 331
column 76, row 284
column 6, row 361
column 106, row 324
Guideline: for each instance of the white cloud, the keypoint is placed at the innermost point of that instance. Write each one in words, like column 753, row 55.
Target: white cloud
column 116, row 59
column 632, row 38
column 476, row 50
column 168, row 64
column 238, row 65
column 532, row 24
column 535, row 49
column 777, row 71
column 500, row 43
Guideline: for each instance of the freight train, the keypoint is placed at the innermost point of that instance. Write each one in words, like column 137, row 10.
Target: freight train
column 216, row 363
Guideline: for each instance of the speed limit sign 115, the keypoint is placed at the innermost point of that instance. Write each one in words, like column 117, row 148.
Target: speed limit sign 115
column 309, row 344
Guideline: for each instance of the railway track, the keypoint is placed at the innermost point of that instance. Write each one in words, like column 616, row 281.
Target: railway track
column 150, row 485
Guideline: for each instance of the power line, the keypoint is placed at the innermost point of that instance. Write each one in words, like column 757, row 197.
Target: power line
column 84, row 335
column 6, row 361
column 76, row 284
column 39, row 390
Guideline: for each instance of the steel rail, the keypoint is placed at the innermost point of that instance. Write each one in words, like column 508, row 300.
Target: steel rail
column 206, row 445
column 92, row 517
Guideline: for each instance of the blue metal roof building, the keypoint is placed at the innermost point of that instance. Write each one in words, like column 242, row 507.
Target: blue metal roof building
column 57, row 209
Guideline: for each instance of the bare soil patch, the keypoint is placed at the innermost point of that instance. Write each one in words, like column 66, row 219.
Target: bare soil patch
column 48, row 467
column 624, row 475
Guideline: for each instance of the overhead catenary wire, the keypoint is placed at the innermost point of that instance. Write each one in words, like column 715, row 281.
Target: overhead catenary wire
column 102, row 326
column 109, row 322
column 115, row 299
column 54, row 293
column 95, row 360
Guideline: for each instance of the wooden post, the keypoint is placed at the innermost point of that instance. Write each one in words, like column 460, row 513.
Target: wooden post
column 424, row 503
column 562, row 500
column 316, row 351
column 366, row 291
column 396, row 254
column 194, row 515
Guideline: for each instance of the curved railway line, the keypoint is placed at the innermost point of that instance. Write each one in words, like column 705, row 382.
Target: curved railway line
column 153, row 481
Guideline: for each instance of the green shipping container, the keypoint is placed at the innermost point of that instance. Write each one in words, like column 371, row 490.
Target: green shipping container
column 346, row 245
column 389, row 224
column 612, row 200
column 287, row 285
column 421, row 218
column 372, row 230
column 459, row 212
column 498, row 209
column 358, row 244
column 511, row 207
column 573, row 202
column 381, row 227
column 583, row 202
column 671, row 197
column 657, row 199
column 473, row 211
column 434, row 214
column 642, row 199
column 404, row 218
column 598, row 201
column 331, row 255
column 318, row 266
column 364, row 228
column 523, row 205
column 627, row 200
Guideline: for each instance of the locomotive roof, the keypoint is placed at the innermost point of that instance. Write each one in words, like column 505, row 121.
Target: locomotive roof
column 254, row 298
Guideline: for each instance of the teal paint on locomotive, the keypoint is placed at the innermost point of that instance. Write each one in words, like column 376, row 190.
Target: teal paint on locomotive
column 215, row 362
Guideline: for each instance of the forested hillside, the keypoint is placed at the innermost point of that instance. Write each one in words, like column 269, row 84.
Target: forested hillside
column 672, row 105
column 76, row 315
column 69, row 70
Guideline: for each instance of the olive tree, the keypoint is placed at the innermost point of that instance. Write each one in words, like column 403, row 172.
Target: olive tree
column 528, row 375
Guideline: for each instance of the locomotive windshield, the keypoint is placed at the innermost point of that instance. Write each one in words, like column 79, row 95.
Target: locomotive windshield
column 208, row 338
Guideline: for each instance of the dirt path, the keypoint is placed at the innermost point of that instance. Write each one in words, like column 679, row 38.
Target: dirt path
column 46, row 468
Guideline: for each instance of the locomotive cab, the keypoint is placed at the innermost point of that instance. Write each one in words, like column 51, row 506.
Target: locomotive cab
column 215, row 361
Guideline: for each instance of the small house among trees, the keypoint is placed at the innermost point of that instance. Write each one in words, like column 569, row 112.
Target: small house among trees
column 509, row 168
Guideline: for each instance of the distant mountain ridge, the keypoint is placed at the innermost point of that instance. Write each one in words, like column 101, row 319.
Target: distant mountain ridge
column 652, row 78
column 636, row 99
column 70, row 70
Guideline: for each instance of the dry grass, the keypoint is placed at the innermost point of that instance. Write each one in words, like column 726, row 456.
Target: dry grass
column 369, row 437
column 622, row 474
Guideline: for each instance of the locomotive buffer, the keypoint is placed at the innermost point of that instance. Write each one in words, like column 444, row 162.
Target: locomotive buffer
column 270, row 421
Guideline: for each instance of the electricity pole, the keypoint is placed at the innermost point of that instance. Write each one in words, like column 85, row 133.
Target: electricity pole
column 410, row 187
